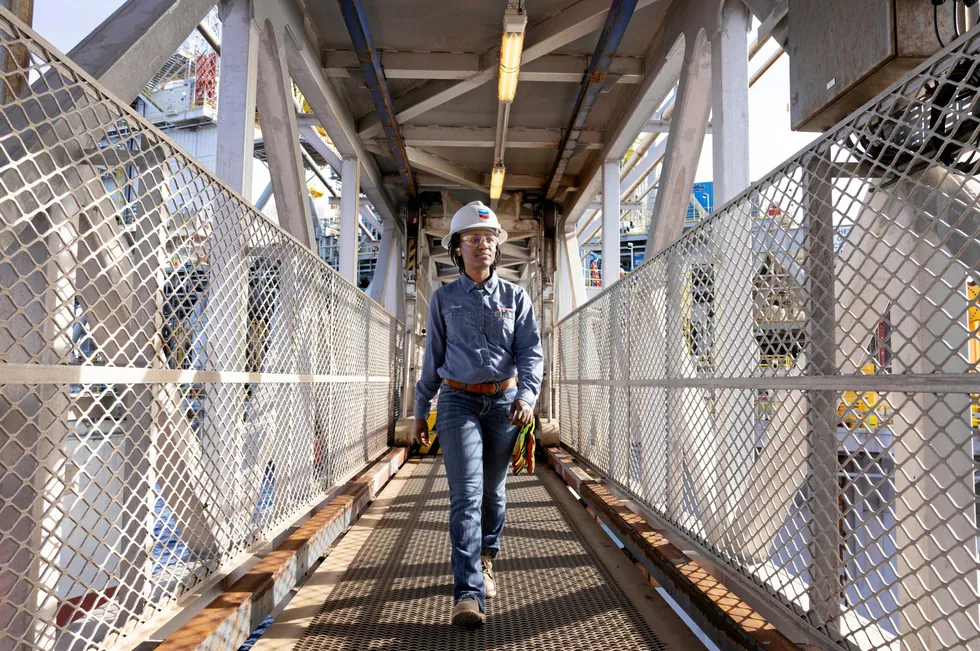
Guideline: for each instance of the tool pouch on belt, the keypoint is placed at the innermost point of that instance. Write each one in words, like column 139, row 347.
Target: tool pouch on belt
column 523, row 458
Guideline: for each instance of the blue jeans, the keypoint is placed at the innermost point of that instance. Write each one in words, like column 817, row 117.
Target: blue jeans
column 477, row 441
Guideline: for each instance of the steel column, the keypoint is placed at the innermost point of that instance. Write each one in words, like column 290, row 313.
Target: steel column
column 349, row 198
column 730, row 103
column 610, row 223
column 571, row 283
column 821, row 406
column 377, row 289
column 394, row 286
column 236, row 95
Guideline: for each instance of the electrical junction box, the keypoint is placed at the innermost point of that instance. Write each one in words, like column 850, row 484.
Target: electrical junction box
column 844, row 52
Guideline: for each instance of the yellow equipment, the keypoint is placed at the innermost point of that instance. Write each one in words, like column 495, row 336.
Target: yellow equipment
column 524, row 449
column 433, row 446
column 973, row 346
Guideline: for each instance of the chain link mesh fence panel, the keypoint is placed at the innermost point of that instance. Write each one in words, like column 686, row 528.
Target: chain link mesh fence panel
column 792, row 384
column 179, row 378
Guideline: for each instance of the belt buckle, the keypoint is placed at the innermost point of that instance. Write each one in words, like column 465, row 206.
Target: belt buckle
column 496, row 388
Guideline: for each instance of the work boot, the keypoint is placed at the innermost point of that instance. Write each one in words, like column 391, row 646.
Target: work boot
column 491, row 584
column 467, row 613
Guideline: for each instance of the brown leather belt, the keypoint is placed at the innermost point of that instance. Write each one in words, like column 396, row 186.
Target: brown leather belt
column 489, row 388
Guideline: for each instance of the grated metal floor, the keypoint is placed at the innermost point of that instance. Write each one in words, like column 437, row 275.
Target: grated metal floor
column 554, row 592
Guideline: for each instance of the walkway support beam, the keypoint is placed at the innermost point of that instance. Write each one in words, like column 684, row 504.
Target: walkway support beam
column 367, row 55
column 593, row 82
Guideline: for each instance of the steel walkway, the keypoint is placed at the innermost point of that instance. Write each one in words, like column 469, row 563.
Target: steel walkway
column 558, row 587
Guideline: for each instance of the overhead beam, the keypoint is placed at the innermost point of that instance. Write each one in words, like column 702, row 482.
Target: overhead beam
column 460, row 176
column 510, row 254
column 360, row 34
column 613, row 29
column 516, row 182
column 663, row 126
column 439, row 227
column 543, row 38
column 484, row 137
column 623, row 205
column 441, row 167
column 552, row 68
column 131, row 45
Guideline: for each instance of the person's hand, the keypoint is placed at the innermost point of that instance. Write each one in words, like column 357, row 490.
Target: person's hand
column 422, row 431
column 520, row 413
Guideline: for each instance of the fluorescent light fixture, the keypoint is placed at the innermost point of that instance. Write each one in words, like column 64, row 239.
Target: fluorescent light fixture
column 511, row 48
column 497, row 181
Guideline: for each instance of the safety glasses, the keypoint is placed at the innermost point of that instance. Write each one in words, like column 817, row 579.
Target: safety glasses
column 477, row 240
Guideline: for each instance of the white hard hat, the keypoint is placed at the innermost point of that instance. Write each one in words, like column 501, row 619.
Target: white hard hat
column 474, row 215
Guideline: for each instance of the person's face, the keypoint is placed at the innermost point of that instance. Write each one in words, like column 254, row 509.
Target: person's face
column 478, row 248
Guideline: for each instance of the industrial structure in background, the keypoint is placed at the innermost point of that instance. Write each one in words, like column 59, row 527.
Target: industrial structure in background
column 220, row 229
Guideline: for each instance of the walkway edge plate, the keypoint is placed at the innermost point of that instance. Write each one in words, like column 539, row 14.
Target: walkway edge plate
column 730, row 622
column 227, row 622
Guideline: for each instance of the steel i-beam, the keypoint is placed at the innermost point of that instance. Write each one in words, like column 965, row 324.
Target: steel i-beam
column 367, row 55
column 617, row 20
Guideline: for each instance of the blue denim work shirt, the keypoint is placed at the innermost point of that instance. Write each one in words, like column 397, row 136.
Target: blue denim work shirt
column 480, row 334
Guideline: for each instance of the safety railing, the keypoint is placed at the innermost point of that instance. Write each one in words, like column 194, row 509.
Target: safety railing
column 796, row 395
column 179, row 378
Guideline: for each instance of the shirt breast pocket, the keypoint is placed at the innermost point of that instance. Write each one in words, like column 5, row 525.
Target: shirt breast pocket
column 462, row 326
column 502, row 329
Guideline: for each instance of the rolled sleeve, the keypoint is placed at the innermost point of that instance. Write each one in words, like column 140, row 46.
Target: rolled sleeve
column 435, row 355
column 528, row 352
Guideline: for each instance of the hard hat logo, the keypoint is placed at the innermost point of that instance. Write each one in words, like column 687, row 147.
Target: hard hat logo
column 474, row 216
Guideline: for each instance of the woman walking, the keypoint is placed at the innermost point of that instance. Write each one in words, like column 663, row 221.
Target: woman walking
column 483, row 356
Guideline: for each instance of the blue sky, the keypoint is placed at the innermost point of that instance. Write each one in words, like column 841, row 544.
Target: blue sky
column 65, row 22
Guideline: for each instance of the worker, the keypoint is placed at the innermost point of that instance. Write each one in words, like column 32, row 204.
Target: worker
column 483, row 356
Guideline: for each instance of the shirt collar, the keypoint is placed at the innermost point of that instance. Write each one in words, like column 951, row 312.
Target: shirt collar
column 469, row 285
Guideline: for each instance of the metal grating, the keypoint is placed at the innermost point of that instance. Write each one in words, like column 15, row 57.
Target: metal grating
column 554, row 592
column 179, row 378
column 792, row 383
